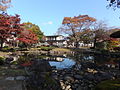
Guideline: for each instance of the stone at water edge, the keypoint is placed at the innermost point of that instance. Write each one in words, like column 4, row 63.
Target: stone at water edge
column 42, row 66
column 78, row 77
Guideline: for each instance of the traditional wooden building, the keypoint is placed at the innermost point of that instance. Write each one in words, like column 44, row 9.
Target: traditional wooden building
column 56, row 40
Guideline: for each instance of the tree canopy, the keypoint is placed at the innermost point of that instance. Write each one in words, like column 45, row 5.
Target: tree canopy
column 114, row 3
column 34, row 28
column 73, row 26
column 9, row 26
column 28, row 37
column 4, row 4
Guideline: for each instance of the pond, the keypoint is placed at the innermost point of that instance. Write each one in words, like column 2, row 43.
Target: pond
column 68, row 60
column 66, row 63
column 57, row 61
column 78, row 71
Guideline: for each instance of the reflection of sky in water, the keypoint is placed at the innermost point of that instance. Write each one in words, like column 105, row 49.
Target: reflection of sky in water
column 66, row 63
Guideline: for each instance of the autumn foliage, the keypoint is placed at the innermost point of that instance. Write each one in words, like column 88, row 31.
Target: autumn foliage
column 78, row 21
column 9, row 26
column 73, row 26
column 34, row 28
column 4, row 4
column 28, row 37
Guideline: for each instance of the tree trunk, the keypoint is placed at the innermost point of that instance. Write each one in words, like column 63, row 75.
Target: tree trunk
column 94, row 45
column 1, row 44
column 77, row 44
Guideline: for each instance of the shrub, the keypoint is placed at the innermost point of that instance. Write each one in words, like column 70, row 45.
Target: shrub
column 12, row 50
column 5, row 49
column 8, row 49
column 2, row 59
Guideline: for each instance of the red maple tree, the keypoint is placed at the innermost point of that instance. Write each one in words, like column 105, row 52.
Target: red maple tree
column 28, row 37
column 9, row 26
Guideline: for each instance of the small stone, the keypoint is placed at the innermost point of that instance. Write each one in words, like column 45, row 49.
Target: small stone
column 13, row 66
column 78, row 76
column 61, row 83
column 79, row 88
column 69, row 78
column 3, row 73
column 63, row 87
column 68, row 87
column 55, row 71
column 91, row 85
column 76, row 81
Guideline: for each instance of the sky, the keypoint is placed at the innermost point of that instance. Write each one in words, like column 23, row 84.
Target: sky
column 48, row 14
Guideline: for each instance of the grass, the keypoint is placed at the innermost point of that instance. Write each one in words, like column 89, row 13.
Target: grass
column 61, row 50
column 46, row 48
column 109, row 85
column 4, row 53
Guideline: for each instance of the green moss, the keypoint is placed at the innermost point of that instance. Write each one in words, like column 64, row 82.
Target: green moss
column 47, row 48
column 108, row 85
column 61, row 49
column 2, row 59
column 49, row 80
column 14, row 62
column 11, row 72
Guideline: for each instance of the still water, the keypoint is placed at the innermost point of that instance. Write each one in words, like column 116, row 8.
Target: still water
column 83, row 66
column 67, row 61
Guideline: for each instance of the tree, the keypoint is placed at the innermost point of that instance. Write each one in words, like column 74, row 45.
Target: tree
column 114, row 3
column 4, row 4
column 115, row 34
column 100, row 32
column 27, row 37
column 34, row 28
column 74, row 25
column 87, row 36
column 9, row 26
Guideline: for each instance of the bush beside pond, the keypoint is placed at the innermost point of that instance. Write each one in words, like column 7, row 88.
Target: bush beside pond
column 8, row 49
column 2, row 59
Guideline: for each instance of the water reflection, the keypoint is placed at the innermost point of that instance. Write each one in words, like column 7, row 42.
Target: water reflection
column 110, row 61
column 66, row 63
column 84, row 67
column 58, row 61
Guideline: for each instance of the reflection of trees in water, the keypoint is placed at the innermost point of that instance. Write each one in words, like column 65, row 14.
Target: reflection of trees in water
column 78, row 57
column 94, row 59
column 101, row 59
column 81, row 57
column 60, row 59
column 29, row 56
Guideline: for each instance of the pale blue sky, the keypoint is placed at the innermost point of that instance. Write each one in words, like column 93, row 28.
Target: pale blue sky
column 48, row 14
